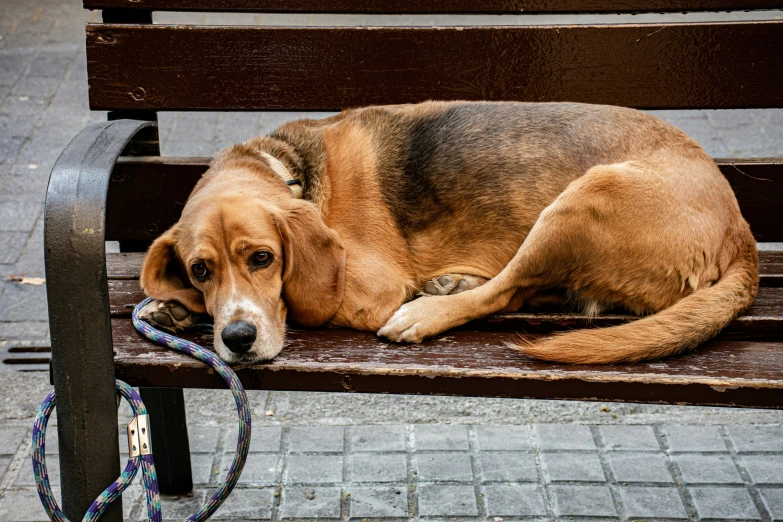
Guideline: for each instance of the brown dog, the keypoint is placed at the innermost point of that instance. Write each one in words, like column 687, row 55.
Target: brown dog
column 480, row 206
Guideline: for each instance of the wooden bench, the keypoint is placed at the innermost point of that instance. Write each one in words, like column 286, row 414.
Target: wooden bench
column 111, row 184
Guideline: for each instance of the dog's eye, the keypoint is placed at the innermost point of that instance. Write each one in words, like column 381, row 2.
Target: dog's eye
column 261, row 259
column 199, row 270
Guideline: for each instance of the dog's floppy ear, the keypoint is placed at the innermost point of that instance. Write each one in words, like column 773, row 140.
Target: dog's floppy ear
column 162, row 276
column 314, row 273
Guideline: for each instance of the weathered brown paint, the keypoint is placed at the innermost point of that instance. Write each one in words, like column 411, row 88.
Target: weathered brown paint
column 436, row 6
column 758, row 185
column 470, row 363
column 695, row 65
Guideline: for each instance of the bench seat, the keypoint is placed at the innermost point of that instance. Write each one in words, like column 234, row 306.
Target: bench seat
column 742, row 367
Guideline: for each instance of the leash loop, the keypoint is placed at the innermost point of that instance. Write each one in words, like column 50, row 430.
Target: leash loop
column 139, row 442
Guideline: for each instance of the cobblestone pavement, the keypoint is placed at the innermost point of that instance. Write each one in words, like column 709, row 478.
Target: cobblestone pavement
column 358, row 456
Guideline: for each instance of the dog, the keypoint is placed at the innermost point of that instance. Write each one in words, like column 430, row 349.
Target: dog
column 477, row 207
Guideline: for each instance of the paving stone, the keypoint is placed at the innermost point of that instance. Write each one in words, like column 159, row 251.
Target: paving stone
column 204, row 439
column 724, row 503
column 314, row 469
column 246, row 503
column 447, row 501
column 629, row 438
column 11, row 438
column 592, row 501
column 756, row 438
column 4, row 462
column 708, row 469
column 316, row 438
column 23, row 303
column 564, row 437
column 508, row 467
column 36, row 87
column 378, row 468
column 22, row 505
column 503, row 438
column 434, row 467
column 201, row 467
column 693, row 438
column 26, row 477
column 764, row 469
column 513, row 501
column 19, row 216
column 51, row 63
column 11, row 245
column 179, row 507
column 378, row 502
column 773, row 500
column 640, row 502
column 377, row 438
column 24, row 330
column 260, row 469
column 635, row 467
column 265, row 438
column 301, row 502
column 581, row 467
column 440, row 437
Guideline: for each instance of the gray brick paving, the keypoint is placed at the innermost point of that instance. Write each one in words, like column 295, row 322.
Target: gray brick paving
column 508, row 466
column 647, row 502
column 724, row 504
column 773, row 500
column 378, row 468
column 383, row 483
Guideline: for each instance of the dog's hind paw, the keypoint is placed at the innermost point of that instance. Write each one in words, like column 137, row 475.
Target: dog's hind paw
column 450, row 284
column 169, row 315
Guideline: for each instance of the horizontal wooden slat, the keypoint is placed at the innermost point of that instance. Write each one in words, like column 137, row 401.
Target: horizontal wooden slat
column 128, row 266
column 699, row 65
column 758, row 184
column 728, row 371
column 764, row 320
column 436, row 6
column 469, row 363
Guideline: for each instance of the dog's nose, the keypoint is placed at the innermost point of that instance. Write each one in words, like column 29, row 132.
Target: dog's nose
column 239, row 336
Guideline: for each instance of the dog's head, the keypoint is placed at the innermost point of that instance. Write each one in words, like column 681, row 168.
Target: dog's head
column 249, row 253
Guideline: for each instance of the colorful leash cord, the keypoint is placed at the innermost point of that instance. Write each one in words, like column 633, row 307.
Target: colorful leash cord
column 145, row 462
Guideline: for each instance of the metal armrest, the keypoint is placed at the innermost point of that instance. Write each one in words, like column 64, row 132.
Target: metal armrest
column 79, row 321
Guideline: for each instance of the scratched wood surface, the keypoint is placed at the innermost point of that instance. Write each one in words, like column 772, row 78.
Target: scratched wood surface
column 758, row 184
column 652, row 66
column 437, row 6
column 474, row 359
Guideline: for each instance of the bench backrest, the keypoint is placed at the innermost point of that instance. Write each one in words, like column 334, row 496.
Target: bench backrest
column 136, row 69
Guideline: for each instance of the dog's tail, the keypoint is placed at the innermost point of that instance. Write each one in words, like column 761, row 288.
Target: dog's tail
column 691, row 321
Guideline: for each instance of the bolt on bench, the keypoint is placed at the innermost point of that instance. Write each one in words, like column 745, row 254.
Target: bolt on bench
column 110, row 183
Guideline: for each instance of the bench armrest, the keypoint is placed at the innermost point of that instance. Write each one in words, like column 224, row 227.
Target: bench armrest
column 79, row 321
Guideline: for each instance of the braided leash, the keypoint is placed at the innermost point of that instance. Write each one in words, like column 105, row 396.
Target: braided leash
column 145, row 461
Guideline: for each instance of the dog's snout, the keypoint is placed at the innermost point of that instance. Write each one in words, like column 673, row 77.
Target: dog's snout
column 239, row 336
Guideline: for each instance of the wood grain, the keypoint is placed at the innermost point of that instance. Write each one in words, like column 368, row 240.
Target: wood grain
column 470, row 363
column 652, row 66
column 436, row 6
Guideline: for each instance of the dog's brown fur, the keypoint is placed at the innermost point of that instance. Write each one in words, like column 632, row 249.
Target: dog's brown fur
column 612, row 204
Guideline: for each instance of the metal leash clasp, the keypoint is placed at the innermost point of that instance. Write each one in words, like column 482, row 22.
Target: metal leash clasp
column 139, row 436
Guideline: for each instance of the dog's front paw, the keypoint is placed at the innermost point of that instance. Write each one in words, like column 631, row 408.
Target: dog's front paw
column 169, row 315
column 414, row 321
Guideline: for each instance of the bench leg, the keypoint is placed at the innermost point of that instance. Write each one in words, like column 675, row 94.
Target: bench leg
column 170, row 446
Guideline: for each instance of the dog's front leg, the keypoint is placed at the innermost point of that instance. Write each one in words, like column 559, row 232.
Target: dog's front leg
column 169, row 315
